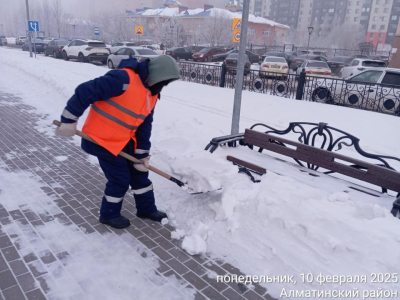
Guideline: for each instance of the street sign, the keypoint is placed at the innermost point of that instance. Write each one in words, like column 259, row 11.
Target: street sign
column 139, row 30
column 236, row 36
column 33, row 26
column 237, row 24
column 96, row 31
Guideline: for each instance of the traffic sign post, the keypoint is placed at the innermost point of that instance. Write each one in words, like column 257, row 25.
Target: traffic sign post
column 96, row 31
column 33, row 26
column 240, row 65
column 139, row 30
column 236, row 36
column 237, row 24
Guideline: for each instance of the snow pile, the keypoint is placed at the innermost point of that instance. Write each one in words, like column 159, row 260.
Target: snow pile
column 61, row 158
column 194, row 245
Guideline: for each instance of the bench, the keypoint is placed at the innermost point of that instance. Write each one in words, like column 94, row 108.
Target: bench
column 312, row 155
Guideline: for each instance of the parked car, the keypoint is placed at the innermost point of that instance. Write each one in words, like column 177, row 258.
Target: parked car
column 47, row 40
column 55, row 47
column 371, row 89
column 20, row 40
column 313, row 52
column 382, row 58
column 338, row 62
column 42, row 38
column 315, row 68
column 274, row 66
column 3, row 40
column 358, row 65
column 38, row 45
column 276, row 54
column 254, row 58
column 206, row 54
column 116, row 46
column 298, row 61
column 86, row 51
column 290, row 56
column 155, row 48
column 180, row 53
column 140, row 53
column 231, row 63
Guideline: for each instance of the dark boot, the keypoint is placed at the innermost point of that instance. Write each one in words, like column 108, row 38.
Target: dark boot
column 156, row 216
column 117, row 222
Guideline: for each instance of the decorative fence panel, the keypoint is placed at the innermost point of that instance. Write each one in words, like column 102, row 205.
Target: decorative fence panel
column 361, row 95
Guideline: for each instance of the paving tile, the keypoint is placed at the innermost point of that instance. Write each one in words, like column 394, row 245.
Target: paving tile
column 195, row 280
column 10, row 253
column 162, row 268
column 172, row 275
column 5, row 242
column 3, row 264
column 14, row 293
column 179, row 254
column 231, row 269
column 62, row 218
column 45, row 282
column 16, row 214
column 3, row 213
column 195, row 267
column 37, row 223
column 83, row 211
column 26, row 282
column 7, row 280
column 150, row 232
column 138, row 223
column 68, row 210
column 232, row 295
column 164, row 243
column 46, row 256
column 268, row 297
column 92, row 220
column 165, row 233
column 35, row 295
column 134, row 231
column 77, row 219
column 102, row 229
column 74, row 204
column 37, row 268
column 215, row 268
column 46, row 217
column 218, row 285
column 213, row 294
column 18, row 267
column 86, row 228
column 251, row 295
column 63, row 257
column 148, row 242
column 177, row 266
column 60, row 202
column 161, row 253
column 238, row 287
column 259, row 289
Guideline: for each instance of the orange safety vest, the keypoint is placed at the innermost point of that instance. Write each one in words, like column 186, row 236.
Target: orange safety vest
column 113, row 122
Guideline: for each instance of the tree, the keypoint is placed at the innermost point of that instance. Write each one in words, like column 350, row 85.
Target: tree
column 58, row 13
column 216, row 29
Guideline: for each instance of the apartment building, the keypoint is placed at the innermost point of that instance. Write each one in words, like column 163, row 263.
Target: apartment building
column 285, row 12
column 260, row 8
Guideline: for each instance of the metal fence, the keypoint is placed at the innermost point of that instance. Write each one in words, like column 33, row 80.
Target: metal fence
column 375, row 97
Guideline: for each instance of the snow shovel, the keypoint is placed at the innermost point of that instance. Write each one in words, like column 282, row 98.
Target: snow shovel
column 151, row 168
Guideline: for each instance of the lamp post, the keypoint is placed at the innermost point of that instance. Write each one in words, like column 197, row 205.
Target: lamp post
column 2, row 32
column 310, row 30
column 74, row 29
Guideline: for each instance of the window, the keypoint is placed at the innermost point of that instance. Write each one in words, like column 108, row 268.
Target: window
column 391, row 78
column 349, row 3
column 265, row 32
column 357, row 11
column 371, row 35
column 373, row 26
column 301, row 12
column 349, row 11
column 375, row 18
column 324, row 10
column 380, row 37
column 382, row 27
column 355, row 63
column 331, row 10
column 355, row 19
column 387, row 1
column 394, row 17
column 378, row 1
column 358, row 3
column 376, row 10
column 121, row 51
column 368, row 76
column 347, row 18
column 383, row 18
column 386, row 10
column 72, row 43
column 251, row 31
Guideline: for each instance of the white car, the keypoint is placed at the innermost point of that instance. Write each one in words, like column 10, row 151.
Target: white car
column 375, row 89
column 274, row 66
column 358, row 65
column 315, row 68
column 86, row 51
column 20, row 40
column 139, row 53
column 156, row 48
column 116, row 46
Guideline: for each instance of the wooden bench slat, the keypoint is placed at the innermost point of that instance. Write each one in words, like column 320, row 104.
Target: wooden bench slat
column 246, row 164
column 373, row 174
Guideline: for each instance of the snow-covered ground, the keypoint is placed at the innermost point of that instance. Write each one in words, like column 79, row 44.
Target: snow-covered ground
column 286, row 225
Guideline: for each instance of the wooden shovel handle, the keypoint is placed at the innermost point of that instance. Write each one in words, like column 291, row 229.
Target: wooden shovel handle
column 123, row 154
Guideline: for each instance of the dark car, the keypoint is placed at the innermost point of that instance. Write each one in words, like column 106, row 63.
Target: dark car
column 55, row 47
column 232, row 60
column 254, row 58
column 276, row 54
column 290, row 56
column 206, row 54
column 298, row 61
column 39, row 46
column 180, row 53
column 338, row 62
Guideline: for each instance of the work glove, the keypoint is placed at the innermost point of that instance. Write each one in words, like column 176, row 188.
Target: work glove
column 142, row 166
column 66, row 129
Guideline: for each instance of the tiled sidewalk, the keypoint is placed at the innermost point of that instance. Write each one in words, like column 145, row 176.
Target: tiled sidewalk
column 76, row 190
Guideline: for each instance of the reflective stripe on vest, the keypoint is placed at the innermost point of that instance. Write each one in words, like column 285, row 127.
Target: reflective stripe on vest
column 113, row 122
